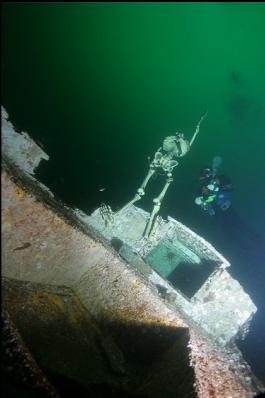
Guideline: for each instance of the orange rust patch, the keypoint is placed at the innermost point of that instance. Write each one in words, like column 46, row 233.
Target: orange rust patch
column 39, row 298
column 56, row 300
column 20, row 193
column 53, row 299
column 6, row 218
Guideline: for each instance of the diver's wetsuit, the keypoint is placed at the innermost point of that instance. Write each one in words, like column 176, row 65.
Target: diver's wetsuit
column 215, row 194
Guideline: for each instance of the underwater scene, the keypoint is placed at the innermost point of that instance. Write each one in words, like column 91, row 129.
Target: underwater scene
column 141, row 101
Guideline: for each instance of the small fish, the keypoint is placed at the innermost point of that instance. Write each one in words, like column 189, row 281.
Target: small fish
column 102, row 189
column 25, row 246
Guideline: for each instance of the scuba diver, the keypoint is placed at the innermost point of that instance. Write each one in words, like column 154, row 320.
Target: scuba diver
column 244, row 247
column 214, row 198
column 215, row 191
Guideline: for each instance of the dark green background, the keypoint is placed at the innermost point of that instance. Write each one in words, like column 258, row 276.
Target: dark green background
column 99, row 85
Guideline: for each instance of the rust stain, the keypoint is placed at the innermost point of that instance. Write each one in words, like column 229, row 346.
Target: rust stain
column 56, row 300
column 40, row 298
column 142, row 315
column 48, row 298
column 20, row 192
column 6, row 218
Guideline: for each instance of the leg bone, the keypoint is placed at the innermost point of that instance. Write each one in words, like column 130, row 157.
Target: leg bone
column 157, row 203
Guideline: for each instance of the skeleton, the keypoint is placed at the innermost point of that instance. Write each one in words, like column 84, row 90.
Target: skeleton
column 164, row 161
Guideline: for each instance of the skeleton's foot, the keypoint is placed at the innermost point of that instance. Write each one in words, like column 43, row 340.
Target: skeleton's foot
column 106, row 214
column 142, row 242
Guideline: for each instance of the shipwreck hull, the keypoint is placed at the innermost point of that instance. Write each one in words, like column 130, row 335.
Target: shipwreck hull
column 105, row 316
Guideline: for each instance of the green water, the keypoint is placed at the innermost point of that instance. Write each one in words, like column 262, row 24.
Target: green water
column 99, row 85
column 102, row 84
